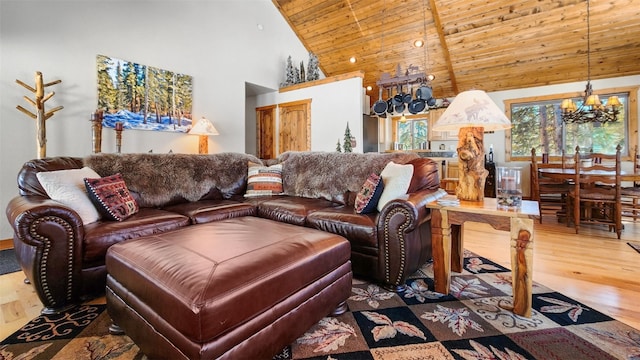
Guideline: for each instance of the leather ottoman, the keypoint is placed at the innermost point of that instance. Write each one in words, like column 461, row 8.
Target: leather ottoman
column 242, row 288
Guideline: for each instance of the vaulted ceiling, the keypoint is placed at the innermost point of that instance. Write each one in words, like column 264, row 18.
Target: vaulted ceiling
column 471, row 44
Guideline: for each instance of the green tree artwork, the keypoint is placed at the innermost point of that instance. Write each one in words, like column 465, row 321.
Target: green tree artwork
column 143, row 97
column 346, row 146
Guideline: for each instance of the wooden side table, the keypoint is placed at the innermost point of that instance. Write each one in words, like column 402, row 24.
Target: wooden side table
column 447, row 229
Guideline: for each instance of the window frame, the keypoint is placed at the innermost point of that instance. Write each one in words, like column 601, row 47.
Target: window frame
column 632, row 121
column 413, row 117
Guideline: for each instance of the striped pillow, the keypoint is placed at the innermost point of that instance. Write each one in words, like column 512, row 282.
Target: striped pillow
column 264, row 180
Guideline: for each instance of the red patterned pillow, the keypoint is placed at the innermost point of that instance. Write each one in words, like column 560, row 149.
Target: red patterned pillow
column 367, row 198
column 111, row 197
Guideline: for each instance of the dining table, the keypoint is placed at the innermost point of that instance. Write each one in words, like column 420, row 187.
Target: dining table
column 588, row 176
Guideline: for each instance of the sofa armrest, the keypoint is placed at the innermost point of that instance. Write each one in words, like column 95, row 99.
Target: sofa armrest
column 48, row 241
column 404, row 235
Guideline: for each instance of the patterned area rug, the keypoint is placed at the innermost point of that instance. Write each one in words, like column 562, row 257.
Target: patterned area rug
column 470, row 323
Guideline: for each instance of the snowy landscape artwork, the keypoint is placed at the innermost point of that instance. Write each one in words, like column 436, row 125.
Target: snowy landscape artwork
column 143, row 97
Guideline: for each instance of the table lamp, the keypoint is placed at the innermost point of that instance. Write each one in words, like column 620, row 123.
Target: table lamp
column 471, row 113
column 204, row 128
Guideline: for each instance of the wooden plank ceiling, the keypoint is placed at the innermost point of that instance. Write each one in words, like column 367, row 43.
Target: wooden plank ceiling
column 490, row 45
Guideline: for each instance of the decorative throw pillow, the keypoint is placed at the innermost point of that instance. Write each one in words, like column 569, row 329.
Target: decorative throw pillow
column 396, row 178
column 264, row 180
column 111, row 197
column 67, row 187
column 367, row 198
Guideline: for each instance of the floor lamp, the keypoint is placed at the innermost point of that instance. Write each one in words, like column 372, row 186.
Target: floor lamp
column 471, row 113
column 204, row 128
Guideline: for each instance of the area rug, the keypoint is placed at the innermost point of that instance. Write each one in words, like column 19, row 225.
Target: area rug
column 8, row 262
column 469, row 323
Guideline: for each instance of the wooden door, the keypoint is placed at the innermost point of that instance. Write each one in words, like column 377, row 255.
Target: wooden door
column 266, row 132
column 295, row 126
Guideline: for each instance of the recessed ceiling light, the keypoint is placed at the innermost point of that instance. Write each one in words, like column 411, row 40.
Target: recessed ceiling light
column 369, row 88
column 352, row 59
column 260, row 27
column 418, row 43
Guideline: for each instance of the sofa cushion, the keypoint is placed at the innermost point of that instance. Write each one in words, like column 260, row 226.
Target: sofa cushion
column 111, row 197
column 67, row 187
column 291, row 209
column 425, row 175
column 166, row 179
column 99, row 236
column 204, row 211
column 330, row 175
column 360, row 229
column 367, row 199
column 396, row 178
column 28, row 183
column 264, row 180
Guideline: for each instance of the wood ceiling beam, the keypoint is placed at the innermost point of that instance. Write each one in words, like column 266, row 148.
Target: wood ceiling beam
column 443, row 43
column 488, row 44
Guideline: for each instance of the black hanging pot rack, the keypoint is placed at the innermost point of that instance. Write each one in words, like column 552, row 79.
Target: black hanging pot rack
column 406, row 101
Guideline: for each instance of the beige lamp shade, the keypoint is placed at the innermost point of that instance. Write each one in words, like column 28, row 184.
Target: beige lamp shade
column 472, row 108
column 204, row 128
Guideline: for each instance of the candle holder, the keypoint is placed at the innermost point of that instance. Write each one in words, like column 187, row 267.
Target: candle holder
column 508, row 188
column 119, row 129
column 96, row 131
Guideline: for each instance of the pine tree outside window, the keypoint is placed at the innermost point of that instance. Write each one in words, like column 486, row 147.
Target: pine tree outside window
column 536, row 123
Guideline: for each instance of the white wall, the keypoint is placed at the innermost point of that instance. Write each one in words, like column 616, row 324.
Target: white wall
column 333, row 105
column 217, row 42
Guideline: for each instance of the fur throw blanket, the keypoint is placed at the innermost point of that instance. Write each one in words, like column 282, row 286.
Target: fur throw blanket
column 332, row 176
column 162, row 179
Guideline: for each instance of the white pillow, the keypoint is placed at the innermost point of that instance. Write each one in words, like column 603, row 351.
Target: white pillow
column 67, row 187
column 396, row 179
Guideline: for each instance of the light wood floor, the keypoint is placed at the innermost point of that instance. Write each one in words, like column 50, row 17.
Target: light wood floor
column 594, row 268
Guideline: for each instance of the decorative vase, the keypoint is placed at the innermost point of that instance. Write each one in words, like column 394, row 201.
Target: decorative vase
column 509, row 188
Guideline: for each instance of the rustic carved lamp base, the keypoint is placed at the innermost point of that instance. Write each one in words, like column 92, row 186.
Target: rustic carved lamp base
column 203, row 144
column 471, row 171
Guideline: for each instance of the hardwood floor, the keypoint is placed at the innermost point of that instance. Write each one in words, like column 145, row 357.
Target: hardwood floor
column 594, row 268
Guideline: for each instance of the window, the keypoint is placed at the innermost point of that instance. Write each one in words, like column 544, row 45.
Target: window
column 411, row 133
column 536, row 123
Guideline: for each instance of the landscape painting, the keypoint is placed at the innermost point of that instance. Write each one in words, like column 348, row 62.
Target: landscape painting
column 143, row 97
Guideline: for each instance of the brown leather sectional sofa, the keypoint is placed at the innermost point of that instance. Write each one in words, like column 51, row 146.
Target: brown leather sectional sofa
column 65, row 260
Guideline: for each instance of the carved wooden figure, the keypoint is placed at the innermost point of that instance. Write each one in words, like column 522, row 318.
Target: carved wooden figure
column 41, row 115
column 471, row 173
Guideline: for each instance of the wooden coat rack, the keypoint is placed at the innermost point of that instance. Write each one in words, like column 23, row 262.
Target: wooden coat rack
column 41, row 116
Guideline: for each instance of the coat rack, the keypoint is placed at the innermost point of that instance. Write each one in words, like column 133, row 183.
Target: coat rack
column 41, row 116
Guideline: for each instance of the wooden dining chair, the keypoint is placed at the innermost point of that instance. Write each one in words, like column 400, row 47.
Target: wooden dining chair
column 631, row 194
column 596, row 204
column 550, row 193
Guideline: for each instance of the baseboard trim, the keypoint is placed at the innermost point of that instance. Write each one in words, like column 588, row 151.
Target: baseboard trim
column 6, row 244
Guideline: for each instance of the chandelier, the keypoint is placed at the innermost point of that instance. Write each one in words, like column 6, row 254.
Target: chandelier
column 591, row 109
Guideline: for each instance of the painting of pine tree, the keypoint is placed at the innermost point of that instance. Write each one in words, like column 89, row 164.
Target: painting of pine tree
column 143, row 97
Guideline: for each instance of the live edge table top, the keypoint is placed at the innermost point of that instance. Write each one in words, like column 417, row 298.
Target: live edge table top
column 489, row 206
